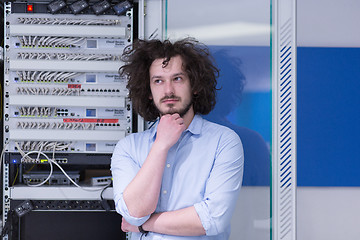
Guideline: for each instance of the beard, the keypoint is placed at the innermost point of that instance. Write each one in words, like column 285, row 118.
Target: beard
column 182, row 111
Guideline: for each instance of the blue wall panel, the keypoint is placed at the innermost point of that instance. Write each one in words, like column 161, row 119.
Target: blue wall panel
column 328, row 115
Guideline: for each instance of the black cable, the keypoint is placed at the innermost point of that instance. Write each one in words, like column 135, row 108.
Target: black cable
column 104, row 202
column 8, row 223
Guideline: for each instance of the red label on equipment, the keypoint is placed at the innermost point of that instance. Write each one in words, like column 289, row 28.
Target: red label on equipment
column 74, row 85
column 91, row 120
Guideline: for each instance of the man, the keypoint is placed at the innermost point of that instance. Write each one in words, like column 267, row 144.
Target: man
column 181, row 178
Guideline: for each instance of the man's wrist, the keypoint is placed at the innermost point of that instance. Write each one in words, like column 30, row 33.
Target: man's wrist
column 161, row 146
column 142, row 230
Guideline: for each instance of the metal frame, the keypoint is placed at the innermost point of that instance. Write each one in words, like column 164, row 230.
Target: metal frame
column 284, row 119
column 5, row 166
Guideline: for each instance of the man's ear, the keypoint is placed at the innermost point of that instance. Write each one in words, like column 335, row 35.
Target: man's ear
column 150, row 97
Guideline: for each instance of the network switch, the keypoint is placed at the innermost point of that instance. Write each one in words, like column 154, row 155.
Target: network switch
column 57, row 178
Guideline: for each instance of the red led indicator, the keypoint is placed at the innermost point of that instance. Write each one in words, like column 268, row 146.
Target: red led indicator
column 74, row 85
column 30, row 8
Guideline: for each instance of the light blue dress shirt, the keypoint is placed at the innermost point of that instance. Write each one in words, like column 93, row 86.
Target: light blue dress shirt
column 203, row 169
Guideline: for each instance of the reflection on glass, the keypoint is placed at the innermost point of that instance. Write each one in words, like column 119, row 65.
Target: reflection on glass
column 243, row 110
column 238, row 36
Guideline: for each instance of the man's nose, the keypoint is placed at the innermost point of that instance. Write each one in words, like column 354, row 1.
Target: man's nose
column 169, row 88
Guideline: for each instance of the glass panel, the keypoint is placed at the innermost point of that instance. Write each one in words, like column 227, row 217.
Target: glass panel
column 238, row 35
column 328, row 74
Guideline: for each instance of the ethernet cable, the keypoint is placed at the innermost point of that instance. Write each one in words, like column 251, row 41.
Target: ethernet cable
column 57, row 21
column 68, row 56
column 56, row 125
column 33, row 76
column 51, row 162
column 34, row 41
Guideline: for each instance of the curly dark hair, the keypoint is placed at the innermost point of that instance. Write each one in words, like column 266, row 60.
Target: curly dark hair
column 197, row 63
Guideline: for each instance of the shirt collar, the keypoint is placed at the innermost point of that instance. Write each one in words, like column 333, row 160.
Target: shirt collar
column 195, row 126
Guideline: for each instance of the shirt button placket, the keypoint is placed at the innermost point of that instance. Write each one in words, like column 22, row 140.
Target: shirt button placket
column 166, row 181
column 165, row 191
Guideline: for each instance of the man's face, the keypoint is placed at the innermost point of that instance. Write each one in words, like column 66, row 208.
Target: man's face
column 170, row 87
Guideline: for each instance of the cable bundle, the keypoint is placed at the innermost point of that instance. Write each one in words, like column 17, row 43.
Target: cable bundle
column 49, row 41
column 56, row 125
column 42, row 146
column 32, row 91
column 68, row 56
column 33, row 125
column 36, row 111
column 66, row 21
column 65, row 91
column 46, row 76
column 74, row 126
column 48, row 91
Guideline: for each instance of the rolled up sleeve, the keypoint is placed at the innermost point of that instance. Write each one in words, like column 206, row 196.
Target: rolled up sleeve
column 223, row 186
column 123, row 210
column 124, row 168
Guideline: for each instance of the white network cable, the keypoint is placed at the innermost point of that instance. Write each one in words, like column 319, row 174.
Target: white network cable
column 56, row 125
column 33, row 125
column 48, row 91
column 26, row 155
column 51, row 162
column 50, row 41
column 35, row 111
column 46, row 146
column 65, row 21
column 68, row 56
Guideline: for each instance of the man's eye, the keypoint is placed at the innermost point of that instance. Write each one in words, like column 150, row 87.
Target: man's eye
column 157, row 81
column 177, row 79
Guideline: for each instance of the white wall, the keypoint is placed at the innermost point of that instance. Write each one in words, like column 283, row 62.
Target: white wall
column 214, row 22
column 251, row 219
column 328, row 23
column 330, row 213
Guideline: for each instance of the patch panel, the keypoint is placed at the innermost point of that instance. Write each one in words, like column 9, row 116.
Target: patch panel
column 44, row 77
column 71, row 43
column 60, row 124
column 70, row 90
column 74, row 147
column 84, row 102
column 81, row 114
column 63, row 135
column 45, row 146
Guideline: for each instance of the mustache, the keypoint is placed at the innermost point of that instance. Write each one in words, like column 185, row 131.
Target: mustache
column 170, row 97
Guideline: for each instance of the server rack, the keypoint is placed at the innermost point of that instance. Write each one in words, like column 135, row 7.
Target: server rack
column 64, row 108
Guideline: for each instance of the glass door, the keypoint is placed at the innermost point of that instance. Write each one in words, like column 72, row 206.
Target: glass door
column 238, row 36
